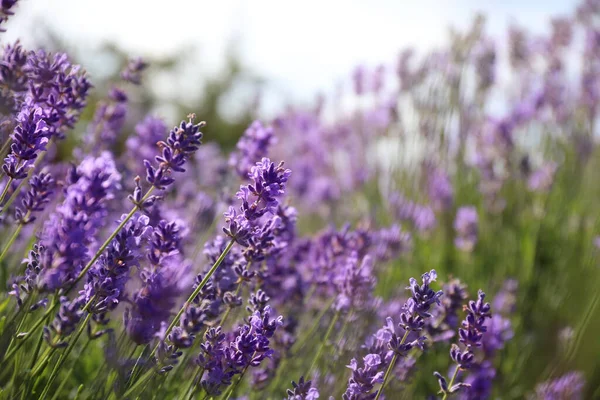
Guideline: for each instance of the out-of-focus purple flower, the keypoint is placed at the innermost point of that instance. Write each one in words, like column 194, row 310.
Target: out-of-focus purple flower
column 133, row 71
column 142, row 145
column 466, row 226
column 302, row 391
column 569, row 386
column 506, row 299
column 69, row 233
column 355, row 283
column 391, row 242
column 13, row 78
column 421, row 216
column 28, row 140
column 6, row 11
column 485, row 64
column 108, row 120
column 541, row 180
column 153, row 302
column 39, row 194
column 252, row 147
column 65, row 322
column 479, row 381
column 439, row 189
column 364, row 378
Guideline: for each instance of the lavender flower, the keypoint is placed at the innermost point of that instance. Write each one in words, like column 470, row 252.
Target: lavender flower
column 466, row 227
column 29, row 139
column 541, row 180
column 470, row 335
column 142, row 145
column 38, row 195
column 364, row 379
column 6, row 11
column 133, row 71
column 107, row 278
column 568, row 386
column 181, row 143
column 65, row 322
column 68, row 235
column 252, row 147
column 355, row 283
column 439, row 187
column 302, row 391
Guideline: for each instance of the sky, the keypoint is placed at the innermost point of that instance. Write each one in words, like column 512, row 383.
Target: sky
column 301, row 47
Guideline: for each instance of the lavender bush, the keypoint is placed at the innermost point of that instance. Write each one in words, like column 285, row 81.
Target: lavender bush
column 149, row 263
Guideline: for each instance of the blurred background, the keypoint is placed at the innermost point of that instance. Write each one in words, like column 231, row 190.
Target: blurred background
column 233, row 60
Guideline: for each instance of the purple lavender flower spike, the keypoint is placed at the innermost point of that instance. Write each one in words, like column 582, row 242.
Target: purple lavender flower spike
column 133, row 71
column 68, row 235
column 302, row 391
column 65, row 322
column 107, row 278
column 29, row 139
column 355, row 284
column 38, row 195
column 142, row 145
column 466, row 226
column 541, row 180
column 364, row 379
column 439, row 187
column 182, row 142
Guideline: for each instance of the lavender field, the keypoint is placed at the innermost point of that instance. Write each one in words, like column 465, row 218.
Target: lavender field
column 431, row 233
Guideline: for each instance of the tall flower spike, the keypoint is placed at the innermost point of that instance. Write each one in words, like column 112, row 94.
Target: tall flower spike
column 182, row 142
column 38, row 195
column 252, row 147
column 302, row 391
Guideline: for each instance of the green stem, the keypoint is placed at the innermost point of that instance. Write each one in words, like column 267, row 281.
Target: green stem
column 237, row 292
column 323, row 343
column 191, row 389
column 68, row 374
column 390, row 367
column 64, row 356
column 13, row 238
column 3, row 195
column 236, row 384
column 298, row 345
column 196, row 291
column 454, row 375
column 39, row 322
column 110, row 238
column 146, row 377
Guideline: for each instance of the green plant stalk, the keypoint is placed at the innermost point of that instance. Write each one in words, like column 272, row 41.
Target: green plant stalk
column 68, row 374
column 146, row 377
column 454, row 375
column 194, row 294
column 323, row 342
column 39, row 322
column 3, row 195
column 191, row 389
column 109, row 239
column 196, row 291
column 390, row 367
column 64, row 355
column 13, row 238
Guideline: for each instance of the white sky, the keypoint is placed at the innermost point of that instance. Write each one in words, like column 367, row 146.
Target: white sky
column 302, row 47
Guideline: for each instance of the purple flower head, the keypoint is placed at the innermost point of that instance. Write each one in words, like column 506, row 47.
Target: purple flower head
column 466, row 226
column 108, row 120
column 391, row 242
column 252, row 147
column 28, row 140
column 107, row 278
column 258, row 198
column 165, row 241
column 541, row 180
column 58, row 87
column 13, row 76
column 568, row 386
column 39, row 194
column 302, row 391
column 133, row 71
column 422, row 295
column 69, row 233
column 364, row 378
column 473, row 325
column 182, row 142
